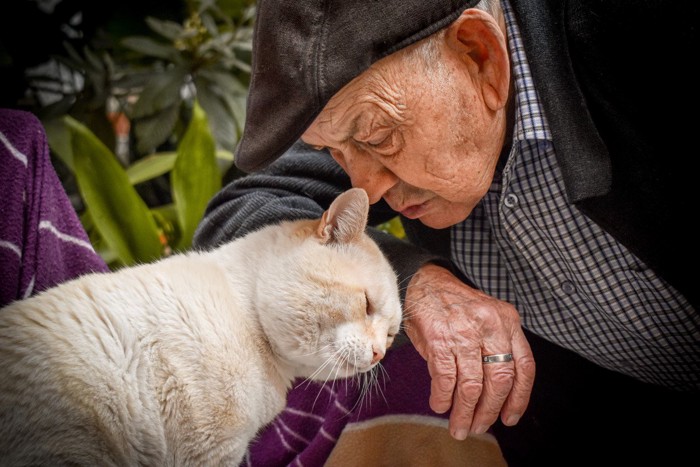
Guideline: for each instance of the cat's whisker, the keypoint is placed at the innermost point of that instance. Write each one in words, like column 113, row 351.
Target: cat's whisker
column 317, row 351
column 367, row 387
column 358, row 403
column 380, row 388
column 309, row 379
column 366, row 382
column 385, row 374
column 334, row 359
column 321, row 367
column 409, row 306
column 339, row 357
column 403, row 282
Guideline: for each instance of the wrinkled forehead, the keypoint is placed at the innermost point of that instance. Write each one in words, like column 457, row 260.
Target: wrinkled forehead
column 381, row 88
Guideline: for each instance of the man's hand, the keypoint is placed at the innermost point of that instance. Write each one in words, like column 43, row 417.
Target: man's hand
column 452, row 325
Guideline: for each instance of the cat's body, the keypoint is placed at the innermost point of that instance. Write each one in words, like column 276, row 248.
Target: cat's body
column 182, row 361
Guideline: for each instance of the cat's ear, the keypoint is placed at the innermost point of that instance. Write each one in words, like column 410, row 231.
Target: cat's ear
column 346, row 218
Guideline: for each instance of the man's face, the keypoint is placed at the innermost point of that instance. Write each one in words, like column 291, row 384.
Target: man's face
column 422, row 139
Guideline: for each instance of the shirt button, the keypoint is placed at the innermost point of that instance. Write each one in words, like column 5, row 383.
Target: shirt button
column 568, row 287
column 511, row 200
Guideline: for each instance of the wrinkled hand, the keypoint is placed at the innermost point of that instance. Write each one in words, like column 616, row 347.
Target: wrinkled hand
column 452, row 325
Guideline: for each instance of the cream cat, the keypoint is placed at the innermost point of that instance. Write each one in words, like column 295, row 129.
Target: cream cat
column 182, row 361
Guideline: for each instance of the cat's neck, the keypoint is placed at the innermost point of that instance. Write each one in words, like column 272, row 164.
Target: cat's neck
column 252, row 263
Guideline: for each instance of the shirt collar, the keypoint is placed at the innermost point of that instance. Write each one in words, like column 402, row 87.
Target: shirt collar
column 530, row 121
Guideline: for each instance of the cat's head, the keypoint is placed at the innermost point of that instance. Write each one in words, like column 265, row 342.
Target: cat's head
column 334, row 307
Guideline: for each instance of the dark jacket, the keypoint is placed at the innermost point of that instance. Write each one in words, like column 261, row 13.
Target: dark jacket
column 616, row 84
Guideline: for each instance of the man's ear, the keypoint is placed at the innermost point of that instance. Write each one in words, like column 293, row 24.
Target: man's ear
column 481, row 45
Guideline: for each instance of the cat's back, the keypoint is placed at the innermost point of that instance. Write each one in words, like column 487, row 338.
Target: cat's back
column 84, row 364
column 61, row 396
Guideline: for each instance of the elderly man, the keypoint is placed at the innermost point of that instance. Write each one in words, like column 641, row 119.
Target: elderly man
column 533, row 150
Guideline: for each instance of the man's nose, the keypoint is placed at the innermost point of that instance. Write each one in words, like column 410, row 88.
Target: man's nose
column 373, row 177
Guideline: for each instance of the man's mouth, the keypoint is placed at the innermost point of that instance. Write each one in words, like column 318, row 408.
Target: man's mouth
column 414, row 211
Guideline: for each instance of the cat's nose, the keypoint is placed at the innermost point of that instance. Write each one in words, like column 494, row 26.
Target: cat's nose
column 376, row 355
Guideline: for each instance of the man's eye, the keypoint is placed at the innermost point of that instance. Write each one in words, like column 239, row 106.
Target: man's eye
column 383, row 142
column 380, row 140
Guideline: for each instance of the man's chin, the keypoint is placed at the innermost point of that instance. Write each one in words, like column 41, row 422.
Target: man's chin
column 440, row 222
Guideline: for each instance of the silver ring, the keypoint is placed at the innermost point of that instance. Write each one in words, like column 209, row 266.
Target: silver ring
column 497, row 358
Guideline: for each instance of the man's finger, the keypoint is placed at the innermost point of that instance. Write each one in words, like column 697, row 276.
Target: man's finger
column 443, row 375
column 519, row 397
column 498, row 382
column 469, row 389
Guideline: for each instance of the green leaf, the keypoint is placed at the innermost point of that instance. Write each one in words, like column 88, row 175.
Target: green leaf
column 223, row 125
column 149, row 47
column 161, row 91
column 151, row 167
column 196, row 177
column 161, row 163
column 155, row 130
column 168, row 29
column 59, row 138
column 166, row 218
column 120, row 215
column 224, row 82
column 93, row 60
column 393, row 227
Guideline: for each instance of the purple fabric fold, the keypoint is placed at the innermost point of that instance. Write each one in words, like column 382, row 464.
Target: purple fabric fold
column 305, row 433
column 42, row 242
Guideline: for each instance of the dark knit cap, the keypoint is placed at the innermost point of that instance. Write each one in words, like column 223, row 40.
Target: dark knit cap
column 304, row 51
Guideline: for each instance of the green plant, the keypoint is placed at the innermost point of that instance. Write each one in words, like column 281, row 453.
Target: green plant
column 182, row 91
column 207, row 56
column 121, row 226
column 153, row 79
column 393, row 227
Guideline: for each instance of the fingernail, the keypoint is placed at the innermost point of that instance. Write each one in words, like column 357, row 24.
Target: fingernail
column 513, row 419
column 460, row 434
column 480, row 429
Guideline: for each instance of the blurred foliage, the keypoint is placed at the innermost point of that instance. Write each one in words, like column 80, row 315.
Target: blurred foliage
column 142, row 110
column 121, row 226
column 207, row 56
column 143, row 103
column 154, row 78
column 393, row 227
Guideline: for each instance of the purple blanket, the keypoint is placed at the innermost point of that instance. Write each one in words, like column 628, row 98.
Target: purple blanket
column 316, row 415
column 42, row 243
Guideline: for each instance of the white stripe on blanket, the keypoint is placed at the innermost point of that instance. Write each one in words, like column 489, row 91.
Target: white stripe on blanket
column 47, row 225
column 30, row 288
column 301, row 413
column 12, row 247
column 292, row 432
column 284, row 441
column 13, row 150
column 327, row 435
column 342, row 407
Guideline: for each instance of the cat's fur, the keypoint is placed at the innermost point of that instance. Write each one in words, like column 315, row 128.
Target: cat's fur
column 182, row 361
